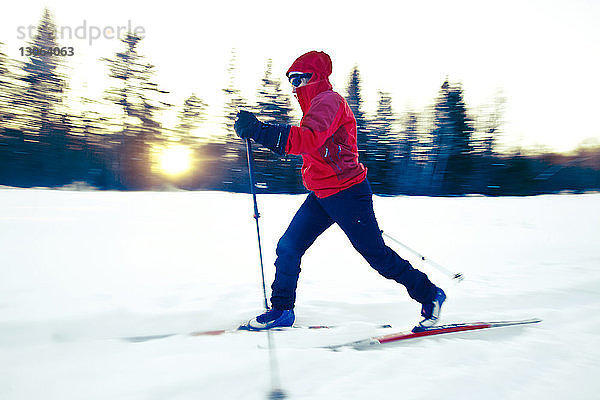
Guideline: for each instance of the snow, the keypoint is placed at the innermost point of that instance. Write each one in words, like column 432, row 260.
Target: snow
column 81, row 271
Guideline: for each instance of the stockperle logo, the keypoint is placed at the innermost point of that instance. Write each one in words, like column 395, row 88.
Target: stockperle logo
column 86, row 32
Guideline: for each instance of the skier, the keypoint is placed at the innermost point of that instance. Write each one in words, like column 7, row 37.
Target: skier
column 339, row 192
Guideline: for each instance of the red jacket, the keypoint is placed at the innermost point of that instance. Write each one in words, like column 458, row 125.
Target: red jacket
column 326, row 137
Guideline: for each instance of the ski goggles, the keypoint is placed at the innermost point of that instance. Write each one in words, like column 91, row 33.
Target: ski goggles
column 298, row 79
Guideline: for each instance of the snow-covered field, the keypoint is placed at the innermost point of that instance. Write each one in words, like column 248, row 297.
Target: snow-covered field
column 80, row 271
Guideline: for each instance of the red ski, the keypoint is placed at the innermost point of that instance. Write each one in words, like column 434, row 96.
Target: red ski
column 418, row 332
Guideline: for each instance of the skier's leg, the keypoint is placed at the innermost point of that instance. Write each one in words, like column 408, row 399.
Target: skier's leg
column 309, row 222
column 352, row 210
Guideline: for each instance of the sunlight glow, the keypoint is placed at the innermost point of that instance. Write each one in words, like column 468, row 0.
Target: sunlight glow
column 175, row 160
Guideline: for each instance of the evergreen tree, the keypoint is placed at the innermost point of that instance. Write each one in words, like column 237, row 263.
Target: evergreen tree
column 91, row 126
column 410, row 140
column 451, row 142
column 235, row 175
column 6, row 152
column 134, row 92
column 492, row 127
column 383, row 147
column 273, row 104
column 152, row 103
column 40, row 113
column 139, row 99
column 191, row 116
column 354, row 99
column 234, row 101
column 408, row 176
column 367, row 142
column 485, row 162
column 6, row 90
column 43, row 85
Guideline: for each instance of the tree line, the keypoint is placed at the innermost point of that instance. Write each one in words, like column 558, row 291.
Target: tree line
column 110, row 143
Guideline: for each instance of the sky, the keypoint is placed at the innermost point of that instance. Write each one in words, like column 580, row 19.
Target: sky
column 541, row 56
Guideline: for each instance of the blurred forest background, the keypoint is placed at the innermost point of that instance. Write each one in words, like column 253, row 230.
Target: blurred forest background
column 446, row 149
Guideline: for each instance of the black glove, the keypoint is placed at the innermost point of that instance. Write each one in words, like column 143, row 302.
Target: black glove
column 272, row 136
column 246, row 124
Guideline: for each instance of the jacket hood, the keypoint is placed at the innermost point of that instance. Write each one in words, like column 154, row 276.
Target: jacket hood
column 319, row 64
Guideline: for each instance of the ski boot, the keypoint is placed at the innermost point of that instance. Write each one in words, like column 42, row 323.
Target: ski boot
column 271, row 319
column 431, row 311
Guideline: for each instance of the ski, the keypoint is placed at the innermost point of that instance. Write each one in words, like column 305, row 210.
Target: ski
column 218, row 332
column 245, row 328
column 419, row 332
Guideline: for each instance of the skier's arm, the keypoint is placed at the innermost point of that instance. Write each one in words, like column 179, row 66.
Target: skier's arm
column 319, row 123
column 272, row 136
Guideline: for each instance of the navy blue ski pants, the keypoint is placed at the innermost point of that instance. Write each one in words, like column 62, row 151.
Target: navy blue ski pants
column 352, row 210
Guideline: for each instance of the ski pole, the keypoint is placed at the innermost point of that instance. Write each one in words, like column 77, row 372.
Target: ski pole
column 256, row 217
column 276, row 393
column 454, row 275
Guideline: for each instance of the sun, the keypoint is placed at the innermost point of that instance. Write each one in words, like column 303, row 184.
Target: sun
column 175, row 160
